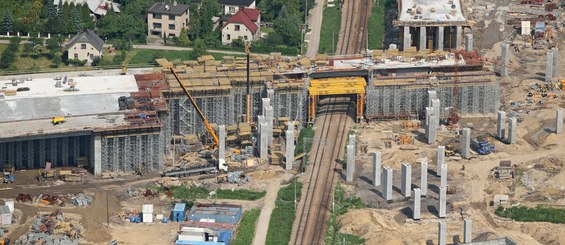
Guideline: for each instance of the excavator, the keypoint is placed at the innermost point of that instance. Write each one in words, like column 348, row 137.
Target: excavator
column 221, row 164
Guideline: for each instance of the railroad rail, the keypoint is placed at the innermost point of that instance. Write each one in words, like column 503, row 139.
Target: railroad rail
column 353, row 33
column 328, row 146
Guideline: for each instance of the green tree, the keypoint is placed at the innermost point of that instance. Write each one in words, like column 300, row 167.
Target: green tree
column 9, row 54
column 57, row 59
column 194, row 24
column 75, row 23
column 183, row 38
column 54, row 44
column 287, row 25
column 199, row 48
column 35, row 11
column 7, row 21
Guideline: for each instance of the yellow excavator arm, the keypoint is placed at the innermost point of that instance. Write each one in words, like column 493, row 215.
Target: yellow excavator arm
column 206, row 123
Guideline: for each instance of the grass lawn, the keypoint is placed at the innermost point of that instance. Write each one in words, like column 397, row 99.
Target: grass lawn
column 280, row 224
column 342, row 205
column 2, row 47
column 188, row 193
column 537, row 214
column 148, row 56
column 246, row 229
column 377, row 25
column 330, row 30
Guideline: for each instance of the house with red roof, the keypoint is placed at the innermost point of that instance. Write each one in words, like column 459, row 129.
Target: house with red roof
column 245, row 24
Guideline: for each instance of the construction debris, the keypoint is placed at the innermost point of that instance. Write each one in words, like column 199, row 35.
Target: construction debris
column 53, row 229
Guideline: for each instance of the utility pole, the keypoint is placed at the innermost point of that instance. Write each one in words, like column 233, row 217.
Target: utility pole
column 248, row 112
column 295, row 193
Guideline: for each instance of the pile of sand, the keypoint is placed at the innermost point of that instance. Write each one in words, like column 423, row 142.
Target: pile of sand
column 543, row 232
column 497, row 188
column 375, row 226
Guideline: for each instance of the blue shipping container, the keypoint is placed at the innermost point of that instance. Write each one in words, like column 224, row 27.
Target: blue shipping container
column 178, row 212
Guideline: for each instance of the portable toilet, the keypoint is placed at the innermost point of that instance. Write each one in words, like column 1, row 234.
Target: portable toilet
column 178, row 212
column 6, row 215
column 147, row 212
column 10, row 203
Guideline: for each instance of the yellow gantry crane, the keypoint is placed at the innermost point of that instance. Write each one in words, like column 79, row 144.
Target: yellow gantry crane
column 206, row 123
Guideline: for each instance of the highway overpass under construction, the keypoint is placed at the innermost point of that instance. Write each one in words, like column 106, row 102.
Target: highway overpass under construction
column 127, row 123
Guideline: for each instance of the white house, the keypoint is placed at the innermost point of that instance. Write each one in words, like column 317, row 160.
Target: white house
column 231, row 7
column 97, row 7
column 245, row 24
column 167, row 20
column 85, row 46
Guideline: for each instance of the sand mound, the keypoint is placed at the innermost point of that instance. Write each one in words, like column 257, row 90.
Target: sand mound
column 497, row 188
column 375, row 226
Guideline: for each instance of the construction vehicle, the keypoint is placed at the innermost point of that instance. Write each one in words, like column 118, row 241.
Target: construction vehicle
column 4, row 241
column 8, row 174
column 449, row 150
column 58, row 120
column 46, row 174
column 483, row 145
column 67, row 175
column 200, row 113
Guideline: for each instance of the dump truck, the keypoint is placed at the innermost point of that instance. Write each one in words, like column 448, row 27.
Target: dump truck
column 482, row 145
column 58, row 120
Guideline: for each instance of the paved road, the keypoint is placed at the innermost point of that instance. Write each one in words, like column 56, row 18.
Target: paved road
column 315, row 22
column 265, row 216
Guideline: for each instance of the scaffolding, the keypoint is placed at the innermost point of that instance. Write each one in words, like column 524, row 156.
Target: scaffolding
column 132, row 153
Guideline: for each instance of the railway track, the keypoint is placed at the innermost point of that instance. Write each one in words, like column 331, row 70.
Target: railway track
column 328, row 145
column 353, row 33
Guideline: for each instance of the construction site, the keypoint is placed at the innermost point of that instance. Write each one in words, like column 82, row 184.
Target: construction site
column 460, row 120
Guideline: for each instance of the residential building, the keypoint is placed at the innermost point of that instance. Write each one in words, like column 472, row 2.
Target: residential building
column 97, row 7
column 167, row 20
column 85, row 46
column 231, row 7
column 245, row 24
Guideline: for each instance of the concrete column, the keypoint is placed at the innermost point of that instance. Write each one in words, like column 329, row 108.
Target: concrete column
column 431, row 130
column 458, row 37
column 429, row 113
column 376, row 168
column 505, row 56
column 466, row 143
column 555, row 60
column 289, row 146
column 467, row 230
column 18, row 34
column 512, row 123
column 417, row 204
column 352, row 141
column 222, row 146
column 501, row 125
column 549, row 65
column 38, row 35
column 432, row 94
column 443, row 182
column 386, row 183
column 97, row 155
column 439, row 38
column 407, row 39
column 424, row 177
column 423, row 40
column 442, row 233
column 437, row 112
column 263, row 141
column 264, row 103
column 442, row 201
column 406, row 179
column 559, row 121
column 48, row 35
column 440, row 159
column 350, row 163
column 469, row 42
column 269, row 118
column 8, row 34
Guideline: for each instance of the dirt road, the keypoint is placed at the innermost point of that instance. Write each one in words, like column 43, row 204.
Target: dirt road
column 263, row 222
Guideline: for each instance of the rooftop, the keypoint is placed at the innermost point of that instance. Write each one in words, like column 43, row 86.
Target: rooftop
column 245, row 3
column 425, row 11
column 87, row 36
column 95, row 95
column 162, row 8
column 247, row 17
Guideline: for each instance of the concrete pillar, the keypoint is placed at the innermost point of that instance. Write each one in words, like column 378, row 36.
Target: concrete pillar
column 48, row 35
column 386, row 183
column 469, row 42
column 263, row 141
column 18, row 34
column 350, row 163
column 512, row 123
column 429, row 113
column 222, row 138
column 352, row 141
column 458, row 37
column 376, row 168
column 467, row 230
column 437, row 112
column 555, row 60
column 440, row 159
column 269, row 116
column 559, row 121
column 442, row 201
column 406, row 179
column 505, row 57
column 423, row 40
column 431, row 130
column 424, row 177
column 264, row 103
column 406, row 38
column 442, row 233
column 443, row 182
column 97, row 155
column 417, row 204
column 501, row 125
column 28, row 35
column 8, row 34
column 439, row 38
column 466, row 143
column 548, row 65
column 432, row 94
column 289, row 146
column 38, row 35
